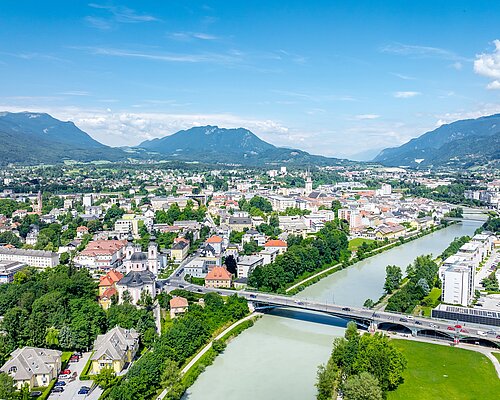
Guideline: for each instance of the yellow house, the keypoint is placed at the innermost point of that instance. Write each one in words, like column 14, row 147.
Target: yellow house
column 33, row 366
column 114, row 349
column 179, row 251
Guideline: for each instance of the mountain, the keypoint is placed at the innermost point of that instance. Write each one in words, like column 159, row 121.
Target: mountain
column 212, row 144
column 462, row 143
column 32, row 138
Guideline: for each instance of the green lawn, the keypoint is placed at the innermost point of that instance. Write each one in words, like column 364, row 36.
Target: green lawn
column 434, row 295
column 438, row 372
column 355, row 243
column 497, row 355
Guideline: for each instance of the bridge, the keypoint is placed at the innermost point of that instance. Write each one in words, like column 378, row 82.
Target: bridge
column 363, row 317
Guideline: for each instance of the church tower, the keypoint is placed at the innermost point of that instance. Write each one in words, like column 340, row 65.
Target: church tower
column 309, row 183
column 153, row 255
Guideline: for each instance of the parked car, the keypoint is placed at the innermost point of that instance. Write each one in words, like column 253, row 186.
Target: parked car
column 66, row 372
column 253, row 296
column 60, row 383
column 58, row 389
column 84, row 390
column 36, row 393
column 402, row 319
column 64, row 376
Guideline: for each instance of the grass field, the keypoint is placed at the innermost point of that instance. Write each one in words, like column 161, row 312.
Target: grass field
column 438, row 372
column 434, row 295
column 497, row 355
column 355, row 243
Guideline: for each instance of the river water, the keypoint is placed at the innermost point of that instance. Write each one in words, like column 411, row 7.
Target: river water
column 278, row 357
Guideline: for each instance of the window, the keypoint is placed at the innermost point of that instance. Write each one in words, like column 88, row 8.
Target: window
column 12, row 370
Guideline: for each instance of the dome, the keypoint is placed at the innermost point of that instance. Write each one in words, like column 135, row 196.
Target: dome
column 138, row 257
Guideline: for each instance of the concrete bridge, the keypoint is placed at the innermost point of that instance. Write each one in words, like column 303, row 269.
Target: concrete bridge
column 366, row 318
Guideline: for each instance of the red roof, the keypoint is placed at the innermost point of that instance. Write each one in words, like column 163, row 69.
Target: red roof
column 275, row 243
column 214, row 239
column 110, row 278
column 218, row 273
column 82, row 229
column 178, row 302
column 108, row 293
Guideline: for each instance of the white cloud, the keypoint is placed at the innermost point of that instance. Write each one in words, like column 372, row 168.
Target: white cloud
column 481, row 111
column 495, row 85
column 488, row 64
column 406, row 95
column 403, row 76
column 192, row 35
column 418, row 51
column 457, row 65
column 124, row 14
column 367, row 116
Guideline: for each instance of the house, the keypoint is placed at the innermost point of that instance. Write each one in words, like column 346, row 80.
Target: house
column 218, row 277
column 107, row 287
column 178, row 305
column 81, row 231
column 246, row 264
column 33, row 366
column 179, row 251
column 114, row 349
column 101, row 254
column 279, row 245
column 197, row 268
column 240, row 223
column 253, row 235
column 216, row 243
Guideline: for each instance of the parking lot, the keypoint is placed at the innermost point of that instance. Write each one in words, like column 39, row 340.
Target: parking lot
column 72, row 387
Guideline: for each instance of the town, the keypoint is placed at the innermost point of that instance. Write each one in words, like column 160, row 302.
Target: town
column 145, row 236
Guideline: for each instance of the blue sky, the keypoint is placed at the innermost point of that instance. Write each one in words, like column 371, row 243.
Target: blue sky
column 336, row 78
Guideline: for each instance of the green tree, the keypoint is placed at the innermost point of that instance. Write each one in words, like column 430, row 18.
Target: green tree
column 7, row 390
column 362, row 387
column 393, row 277
column 105, row 378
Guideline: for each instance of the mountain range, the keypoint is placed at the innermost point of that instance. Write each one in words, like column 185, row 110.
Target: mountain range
column 33, row 138
column 463, row 143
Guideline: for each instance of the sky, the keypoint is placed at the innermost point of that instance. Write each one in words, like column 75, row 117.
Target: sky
column 337, row 78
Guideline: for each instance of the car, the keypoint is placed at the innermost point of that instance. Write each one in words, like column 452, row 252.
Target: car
column 375, row 315
column 481, row 333
column 253, row 296
column 402, row 319
column 84, row 390
column 433, row 325
column 300, row 303
column 458, row 326
column 36, row 393
column 346, row 309
column 463, row 330
column 491, row 333
column 199, row 290
column 60, row 383
column 418, row 323
column 58, row 389
column 410, row 317
column 498, row 336
column 181, row 286
column 219, row 292
column 64, row 376
column 451, row 328
column 66, row 372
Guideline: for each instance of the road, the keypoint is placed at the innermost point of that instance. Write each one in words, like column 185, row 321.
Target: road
column 355, row 313
column 486, row 270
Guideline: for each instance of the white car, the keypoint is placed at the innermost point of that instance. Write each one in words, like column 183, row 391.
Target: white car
column 481, row 333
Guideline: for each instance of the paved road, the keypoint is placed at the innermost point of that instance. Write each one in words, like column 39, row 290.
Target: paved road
column 312, row 277
column 486, row 270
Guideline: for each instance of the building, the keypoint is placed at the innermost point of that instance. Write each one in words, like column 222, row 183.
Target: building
column 101, row 255
column 197, row 268
column 178, row 305
column 179, row 251
column 240, row 223
column 278, row 245
column 253, row 235
column 218, row 277
column 458, row 284
column 33, row 366
column 81, row 231
column 114, row 349
column 217, row 243
column 8, row 269
column 141, row 271
column 107, row 287
column 246, row 264
column 34, row 258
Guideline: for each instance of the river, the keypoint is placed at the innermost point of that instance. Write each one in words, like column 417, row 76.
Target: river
column 278, row 357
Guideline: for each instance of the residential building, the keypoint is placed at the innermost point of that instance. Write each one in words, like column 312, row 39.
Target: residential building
column 246, row 264
column 458, row 284
column 178, row 305
column 276, row 244
column 217, row 243
column 239, row 223
column 218, row 277
column 101, row 255
column 179, row 251
column 34, row 258
column 107, row 287
column 33, row 366
column 81, row 231
column 114, row 349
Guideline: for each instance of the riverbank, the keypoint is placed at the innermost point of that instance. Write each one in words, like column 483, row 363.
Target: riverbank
column 318, row 275
column 207, row 354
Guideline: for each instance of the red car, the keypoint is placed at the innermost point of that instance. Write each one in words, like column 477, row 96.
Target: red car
column 450, row 328
column 458, row 326
column 66, row 372
column 464, row 330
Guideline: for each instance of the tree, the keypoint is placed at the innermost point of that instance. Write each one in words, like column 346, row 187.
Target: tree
column 52, row 337
column 393, row 276
column 362, row 387
column 127, row 297
column 231, row 265
column 218, row 346
column 64, row 258
column 369, row 303
column 105, row 378
column 327, row 381
column 336, row 206
column 7, row 390
column 8, row 237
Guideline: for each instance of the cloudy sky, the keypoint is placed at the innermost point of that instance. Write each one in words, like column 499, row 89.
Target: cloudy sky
column 337, row 78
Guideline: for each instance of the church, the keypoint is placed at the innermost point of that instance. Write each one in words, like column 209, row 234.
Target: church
column 141, row 270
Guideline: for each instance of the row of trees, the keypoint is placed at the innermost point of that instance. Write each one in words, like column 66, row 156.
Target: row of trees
column 360, row 367
column 422, row 276
column 303, row 255
column 159, row 367
column 454, row 246
column 57, row 308
column 492, row 225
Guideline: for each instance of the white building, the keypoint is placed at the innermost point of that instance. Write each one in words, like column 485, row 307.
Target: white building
column 34, row 258
column 8, row 269
column 458, row 284
column 247, row 264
